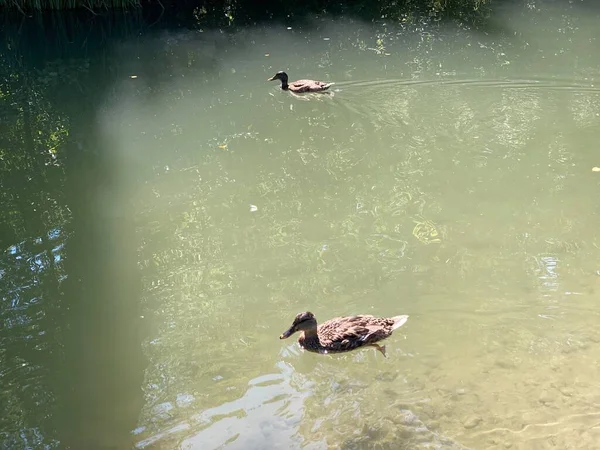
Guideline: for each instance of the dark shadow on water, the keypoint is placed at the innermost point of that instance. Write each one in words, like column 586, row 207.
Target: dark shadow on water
column 71, row 360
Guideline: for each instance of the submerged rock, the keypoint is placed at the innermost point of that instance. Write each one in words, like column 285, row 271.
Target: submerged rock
column 546, row 397
column 471, row 422
column 402, row 431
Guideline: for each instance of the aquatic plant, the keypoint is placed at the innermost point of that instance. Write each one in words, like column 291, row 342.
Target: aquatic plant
column 41, row 5
column 232, row 9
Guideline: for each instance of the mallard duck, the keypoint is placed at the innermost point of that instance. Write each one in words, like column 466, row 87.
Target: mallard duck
column 300, row 86
column 342, row 334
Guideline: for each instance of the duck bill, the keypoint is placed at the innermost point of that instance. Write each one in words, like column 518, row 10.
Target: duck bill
column 286, row 334
column 272, row 78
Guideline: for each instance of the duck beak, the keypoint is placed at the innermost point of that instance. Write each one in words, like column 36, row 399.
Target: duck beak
column 286, row 334
column 272, row 78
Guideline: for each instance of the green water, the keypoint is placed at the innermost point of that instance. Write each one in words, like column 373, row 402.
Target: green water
column 147, row 275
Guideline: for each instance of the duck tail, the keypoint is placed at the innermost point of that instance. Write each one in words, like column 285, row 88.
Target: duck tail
column 328, row 85
column 399, row 321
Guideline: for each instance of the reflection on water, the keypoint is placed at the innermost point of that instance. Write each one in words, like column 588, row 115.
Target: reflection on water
column 448, row 178
column 264, row 417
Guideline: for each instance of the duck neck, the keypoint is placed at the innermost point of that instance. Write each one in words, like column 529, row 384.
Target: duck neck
column 310, row 333
column 284, row 85
column 311, row 336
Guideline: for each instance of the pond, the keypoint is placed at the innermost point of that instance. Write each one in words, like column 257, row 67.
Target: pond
column 446, row 175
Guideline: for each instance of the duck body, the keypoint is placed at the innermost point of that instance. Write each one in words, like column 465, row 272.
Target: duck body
column 343, row 334
column 300, row 86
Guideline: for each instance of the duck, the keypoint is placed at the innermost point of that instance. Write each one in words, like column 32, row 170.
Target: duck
column 343, row 334
column 300, row 86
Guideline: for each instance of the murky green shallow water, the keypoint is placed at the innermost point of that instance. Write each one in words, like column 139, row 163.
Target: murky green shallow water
column 447, row 177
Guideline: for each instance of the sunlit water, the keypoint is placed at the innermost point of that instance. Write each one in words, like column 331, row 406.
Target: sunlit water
column 447, row 176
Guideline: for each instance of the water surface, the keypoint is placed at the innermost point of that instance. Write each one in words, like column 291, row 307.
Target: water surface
column 447, row 176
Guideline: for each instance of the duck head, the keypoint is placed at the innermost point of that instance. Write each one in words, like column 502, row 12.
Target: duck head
column 304, row 321
column 281, row 75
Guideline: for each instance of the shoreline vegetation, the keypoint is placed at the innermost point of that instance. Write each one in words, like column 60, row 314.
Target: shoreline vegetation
column 230, row 12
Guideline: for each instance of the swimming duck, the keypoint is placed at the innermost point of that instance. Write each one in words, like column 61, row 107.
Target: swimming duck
column 342, row 334
column 300, row 86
